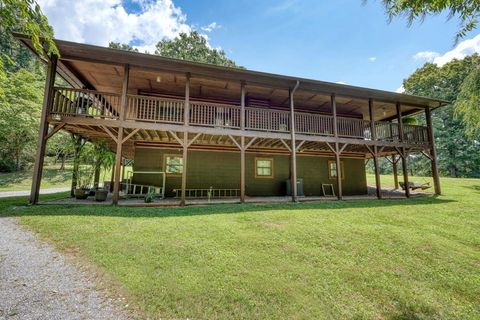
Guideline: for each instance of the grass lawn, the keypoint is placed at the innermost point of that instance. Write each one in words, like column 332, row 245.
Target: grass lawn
column 390, row 259
column 22, row 180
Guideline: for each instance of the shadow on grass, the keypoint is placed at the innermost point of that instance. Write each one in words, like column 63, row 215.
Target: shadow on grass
column 18, row 206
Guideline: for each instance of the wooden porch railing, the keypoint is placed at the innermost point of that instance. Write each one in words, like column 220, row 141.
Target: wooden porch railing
column 153, row 109
column 88, row 103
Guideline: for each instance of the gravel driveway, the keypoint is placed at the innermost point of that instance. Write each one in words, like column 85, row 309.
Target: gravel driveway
column 37, row 282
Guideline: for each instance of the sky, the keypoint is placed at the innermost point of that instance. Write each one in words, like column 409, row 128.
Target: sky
column 342, row 41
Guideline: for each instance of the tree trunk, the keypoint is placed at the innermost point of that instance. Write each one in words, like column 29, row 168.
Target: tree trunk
column 62, row 165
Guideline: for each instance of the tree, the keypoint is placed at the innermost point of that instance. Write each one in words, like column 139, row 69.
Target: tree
column 121, row 46
column 468, row 11
column 458, row 154
column 25, row 16
column 19, row 112
column 193, row 47
column 468, row 103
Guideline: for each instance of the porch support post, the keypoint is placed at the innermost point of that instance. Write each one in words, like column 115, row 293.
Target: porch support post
column 184, row 172
column 41, row 144
column 118, row 154
column 242, row 142
column 242, row 169
column 395, row 171
column 433, row 153
column 337, row 148
column 293, row 161
column 373, row 133
column 404, row 154
column 186, row 115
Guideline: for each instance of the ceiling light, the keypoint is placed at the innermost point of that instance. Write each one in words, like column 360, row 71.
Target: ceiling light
column 159, row 79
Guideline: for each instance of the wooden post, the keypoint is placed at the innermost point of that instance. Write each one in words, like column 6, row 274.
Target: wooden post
column 404, row 154
column 242, row 105
column 433, row 153
column 373, row 134
column 395, row 172
column 42, row 142
column 118, row 155
column 293, row 161
column 184, row 172
column 186, row 115
column 337, row 148
column 242, row 169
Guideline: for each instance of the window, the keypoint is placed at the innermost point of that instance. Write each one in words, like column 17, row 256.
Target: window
column 263, row 168
column 173, row 164
column 332, row 170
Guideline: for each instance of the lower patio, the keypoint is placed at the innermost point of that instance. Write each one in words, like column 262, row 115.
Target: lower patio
column 172, row 202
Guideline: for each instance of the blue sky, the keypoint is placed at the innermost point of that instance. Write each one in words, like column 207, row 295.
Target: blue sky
column 337, row 41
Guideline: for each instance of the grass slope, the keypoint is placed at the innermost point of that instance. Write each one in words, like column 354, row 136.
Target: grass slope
column 416, row 259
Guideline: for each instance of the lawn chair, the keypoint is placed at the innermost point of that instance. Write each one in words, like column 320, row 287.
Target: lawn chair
column 415, row 185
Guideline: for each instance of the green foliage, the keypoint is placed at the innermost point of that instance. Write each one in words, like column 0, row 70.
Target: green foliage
column 20, row 107
column 468, row 11
column 25, row 16
column 149, row 197
column 458, row 154
column 468, row 102
column 193, row 47
column 121, row 46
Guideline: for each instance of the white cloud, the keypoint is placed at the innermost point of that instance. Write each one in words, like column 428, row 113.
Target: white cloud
column 400, row 90
column 98, row 22
column 210, row 27
column 372, row 59
column 426, row 55
column 463, row 49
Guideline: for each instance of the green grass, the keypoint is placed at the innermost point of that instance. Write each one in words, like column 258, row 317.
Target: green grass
column 390, row 259
column 22, row 180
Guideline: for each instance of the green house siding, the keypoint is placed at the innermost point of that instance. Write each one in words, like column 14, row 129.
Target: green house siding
column 221, row 170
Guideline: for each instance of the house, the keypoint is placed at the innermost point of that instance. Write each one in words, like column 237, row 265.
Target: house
column 194, row 129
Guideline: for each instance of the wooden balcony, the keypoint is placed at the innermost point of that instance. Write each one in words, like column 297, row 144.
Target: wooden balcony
column 100, row 105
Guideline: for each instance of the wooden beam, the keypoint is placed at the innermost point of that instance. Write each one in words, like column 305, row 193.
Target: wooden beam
column 54, row 130
column 42, row 141
column 395, row 171
column 405, row 172
column 173, row 134
column 286, row 145
column 134, row 131
column 193, row 139
column 300, row 144
column 118, row 154
column 433, row 152
column 109, row 133
column 250, row 143
column 343, row 148
column 184, row 172
column 293, row 148
column 242, row 168
column 337, row 149
column 376, row 165
column 235, row 142
column 186, row 113
column 242, row 105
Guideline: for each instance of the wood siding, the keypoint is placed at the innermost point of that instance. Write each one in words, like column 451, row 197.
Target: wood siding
column 221, row 170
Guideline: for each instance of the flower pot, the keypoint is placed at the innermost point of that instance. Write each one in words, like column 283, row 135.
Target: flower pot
column 81, row 194
column 101, row 195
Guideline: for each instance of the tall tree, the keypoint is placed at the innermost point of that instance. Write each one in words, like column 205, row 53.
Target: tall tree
column 458, row 154
column 468, row 11
column 193, row 47
column 26, row 16
column 468, row 102
column 121, row 46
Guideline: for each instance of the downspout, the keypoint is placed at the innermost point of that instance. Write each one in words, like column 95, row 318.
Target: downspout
column 293, row 147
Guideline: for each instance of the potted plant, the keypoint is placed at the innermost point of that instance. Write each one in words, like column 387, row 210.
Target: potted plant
column 84, row 180
column 101, row 194
column 149, row 197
